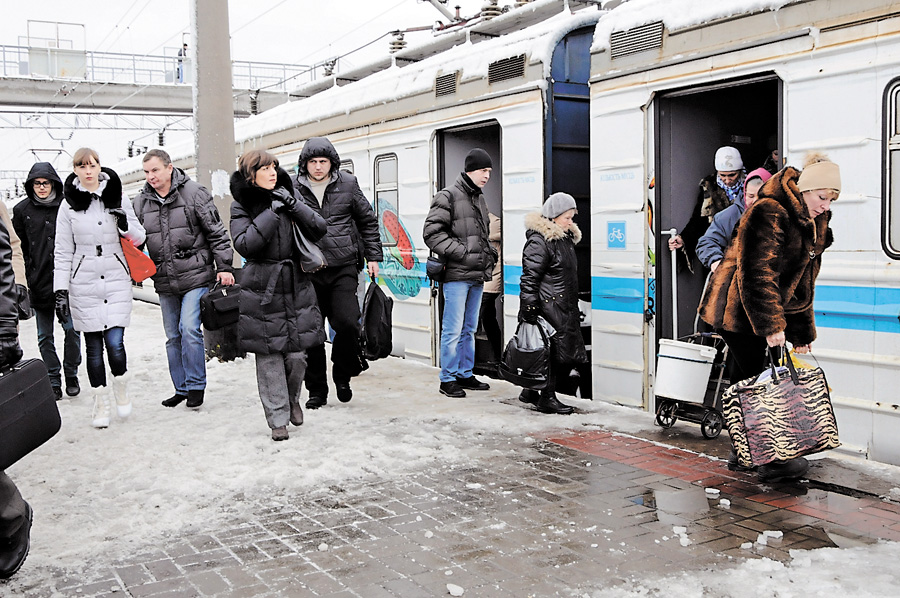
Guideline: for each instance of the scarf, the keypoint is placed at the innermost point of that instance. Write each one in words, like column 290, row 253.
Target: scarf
column 735, row 193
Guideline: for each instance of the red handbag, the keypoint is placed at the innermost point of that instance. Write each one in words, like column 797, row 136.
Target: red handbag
column 139, row 263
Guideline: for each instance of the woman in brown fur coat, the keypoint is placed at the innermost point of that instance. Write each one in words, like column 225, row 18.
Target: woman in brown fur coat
column 762, row 293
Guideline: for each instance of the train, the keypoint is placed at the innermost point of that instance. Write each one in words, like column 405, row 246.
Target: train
column 622, row 105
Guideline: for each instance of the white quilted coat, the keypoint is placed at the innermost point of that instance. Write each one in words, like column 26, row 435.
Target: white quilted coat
column 88, row 262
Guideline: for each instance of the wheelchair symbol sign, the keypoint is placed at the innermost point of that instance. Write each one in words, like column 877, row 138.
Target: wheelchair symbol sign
column 615, row 235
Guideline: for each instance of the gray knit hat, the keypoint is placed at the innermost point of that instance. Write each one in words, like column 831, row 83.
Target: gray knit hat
column 556, row 204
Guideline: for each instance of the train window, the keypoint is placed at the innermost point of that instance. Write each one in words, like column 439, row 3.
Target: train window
column 346, row 166
column 386, row 198
column 891, row 205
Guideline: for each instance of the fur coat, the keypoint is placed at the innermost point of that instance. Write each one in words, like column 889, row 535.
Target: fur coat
column 549, row 284
column 766, row 282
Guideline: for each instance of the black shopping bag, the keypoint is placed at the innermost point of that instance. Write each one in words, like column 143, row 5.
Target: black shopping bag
column 526, row 359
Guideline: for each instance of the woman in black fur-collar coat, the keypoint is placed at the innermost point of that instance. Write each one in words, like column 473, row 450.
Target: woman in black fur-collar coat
column 280, row 318
column 549, row 288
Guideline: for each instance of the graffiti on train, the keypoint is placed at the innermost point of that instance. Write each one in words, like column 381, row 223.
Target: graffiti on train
column 400, row 268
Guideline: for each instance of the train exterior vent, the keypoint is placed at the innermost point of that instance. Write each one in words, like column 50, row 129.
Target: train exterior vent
column 507, row 68
column 445, row 85
column 639, row 39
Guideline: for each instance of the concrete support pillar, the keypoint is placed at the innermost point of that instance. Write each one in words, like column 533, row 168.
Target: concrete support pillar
column 213, row 103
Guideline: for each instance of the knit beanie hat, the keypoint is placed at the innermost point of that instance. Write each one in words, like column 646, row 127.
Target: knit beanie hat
column 728, row 159
column 557, row 204
column 477, row 159
column 820, row 175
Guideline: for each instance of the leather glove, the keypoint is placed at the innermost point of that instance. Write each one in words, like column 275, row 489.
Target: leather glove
column 10, row 351
column 277, row 206
column 62, row 306
column 121, row 218
column 23, row 302
column 284, row 199
column 529, row 313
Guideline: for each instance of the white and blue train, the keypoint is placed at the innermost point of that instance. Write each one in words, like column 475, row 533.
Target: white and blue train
column 624, row 108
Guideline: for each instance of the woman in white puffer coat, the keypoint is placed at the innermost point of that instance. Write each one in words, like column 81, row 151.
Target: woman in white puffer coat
column 91, row 278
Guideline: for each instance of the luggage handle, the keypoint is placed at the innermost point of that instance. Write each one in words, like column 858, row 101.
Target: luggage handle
column 790, row 365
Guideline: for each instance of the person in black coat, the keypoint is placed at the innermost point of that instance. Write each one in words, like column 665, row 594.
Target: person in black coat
column 280, row 318
column 549, row 288
column 15, row 513
column 352, row 238
column 34, row 220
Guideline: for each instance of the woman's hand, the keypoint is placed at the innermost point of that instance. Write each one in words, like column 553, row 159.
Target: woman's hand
column 776, row 340
column 803, row 348
column 676, row 242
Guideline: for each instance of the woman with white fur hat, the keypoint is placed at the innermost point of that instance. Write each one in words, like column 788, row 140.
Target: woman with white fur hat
column 549, row 288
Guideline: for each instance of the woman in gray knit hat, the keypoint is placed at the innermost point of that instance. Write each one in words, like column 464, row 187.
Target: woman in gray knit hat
column 549, row 288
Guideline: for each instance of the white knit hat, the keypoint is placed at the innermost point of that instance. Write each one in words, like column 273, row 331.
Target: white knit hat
column 728, row 159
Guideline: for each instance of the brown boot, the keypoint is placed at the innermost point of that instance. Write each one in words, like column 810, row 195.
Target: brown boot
column 296, row 414
column 280, row 433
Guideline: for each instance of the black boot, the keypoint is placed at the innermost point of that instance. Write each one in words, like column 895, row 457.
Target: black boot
column 529, row 396
column 14, row 550
column 316, row 401
column 735, row 465
column 194, row 399
column 781, row 471
column 549, row 404
column 175, row 400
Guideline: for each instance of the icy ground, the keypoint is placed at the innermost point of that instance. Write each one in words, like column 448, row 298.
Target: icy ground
column 99, row 495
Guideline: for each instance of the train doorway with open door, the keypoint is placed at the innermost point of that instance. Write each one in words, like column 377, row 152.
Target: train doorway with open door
column 452, row 146
column 692, row 124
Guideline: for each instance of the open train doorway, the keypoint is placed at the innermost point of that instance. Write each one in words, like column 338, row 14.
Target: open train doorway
column 692, row 124
column 452, row 146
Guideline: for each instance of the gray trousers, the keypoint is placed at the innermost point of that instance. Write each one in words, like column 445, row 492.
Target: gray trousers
column 279, row 376
column 13, row 510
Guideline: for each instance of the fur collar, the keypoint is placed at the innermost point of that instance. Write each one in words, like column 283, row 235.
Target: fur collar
column 550, row 230
column 782, row 189
column 80, row 199
column 255, row 199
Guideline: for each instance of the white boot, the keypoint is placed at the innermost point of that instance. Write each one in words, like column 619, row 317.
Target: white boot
column 123, row 402
column 100, row 414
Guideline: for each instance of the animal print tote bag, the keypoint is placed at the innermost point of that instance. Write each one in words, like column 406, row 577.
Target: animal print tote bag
column 780, row 414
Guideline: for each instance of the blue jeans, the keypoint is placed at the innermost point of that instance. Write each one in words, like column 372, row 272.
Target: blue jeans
column 184, row 339
column 114, row 339
column 462, row 302
column 45, row 319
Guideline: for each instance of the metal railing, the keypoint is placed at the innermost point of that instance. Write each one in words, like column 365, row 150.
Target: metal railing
column 106, row 67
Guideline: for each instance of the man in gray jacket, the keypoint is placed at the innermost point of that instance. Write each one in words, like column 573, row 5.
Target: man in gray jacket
column 456, row 229
column 189, row 245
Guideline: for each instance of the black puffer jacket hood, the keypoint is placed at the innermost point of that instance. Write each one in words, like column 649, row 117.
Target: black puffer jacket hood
column 44, row 170
column 318, row 147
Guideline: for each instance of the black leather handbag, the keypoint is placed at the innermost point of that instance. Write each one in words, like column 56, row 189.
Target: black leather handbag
column 526, row 360
column 28, row 413
column 221, row 306
column 311, row 257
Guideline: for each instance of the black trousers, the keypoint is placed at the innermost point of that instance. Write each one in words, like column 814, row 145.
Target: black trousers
column 748, row 354
column 490, row 324
column 13, row 510
column 336, row 290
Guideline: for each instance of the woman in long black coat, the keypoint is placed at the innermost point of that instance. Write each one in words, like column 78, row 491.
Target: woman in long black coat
column 280, row 318
column 549, row 288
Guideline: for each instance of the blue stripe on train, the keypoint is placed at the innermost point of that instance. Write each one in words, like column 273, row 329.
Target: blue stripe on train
column 848, row 307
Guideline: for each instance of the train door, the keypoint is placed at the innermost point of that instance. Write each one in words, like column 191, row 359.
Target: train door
column 452, row 146
column 691, row 125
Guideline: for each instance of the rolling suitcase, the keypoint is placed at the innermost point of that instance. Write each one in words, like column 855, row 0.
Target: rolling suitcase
column 28, row 413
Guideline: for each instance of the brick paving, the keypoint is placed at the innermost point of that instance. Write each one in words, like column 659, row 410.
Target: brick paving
column 570, row 513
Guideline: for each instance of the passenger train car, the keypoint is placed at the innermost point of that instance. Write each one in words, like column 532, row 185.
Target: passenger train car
column 624, row 109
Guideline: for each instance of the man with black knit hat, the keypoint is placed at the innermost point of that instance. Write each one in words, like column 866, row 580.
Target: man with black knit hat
column 352, row 238
column 456, row 229
column 34, row 220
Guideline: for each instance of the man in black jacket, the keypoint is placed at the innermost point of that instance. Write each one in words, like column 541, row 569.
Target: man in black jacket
column 456, row 229
column 34, row 220
column 189, row 245
column 15, row 513
column 352, row 237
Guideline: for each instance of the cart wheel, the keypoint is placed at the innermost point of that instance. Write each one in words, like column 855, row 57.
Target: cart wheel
column 711, row 424
column 665, row 414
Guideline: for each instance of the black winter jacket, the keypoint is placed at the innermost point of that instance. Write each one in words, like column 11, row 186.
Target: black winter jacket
column 279, row 313
column 549, row 284
column 456, row 229
column 185, row 235
column 352, row 225
column 35, row 224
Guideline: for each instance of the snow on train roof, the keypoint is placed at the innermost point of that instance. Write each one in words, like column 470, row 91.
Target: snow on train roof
column 675, row 14
column 537, row 42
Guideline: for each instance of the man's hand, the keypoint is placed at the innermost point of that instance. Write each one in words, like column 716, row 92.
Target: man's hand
column 10, row 351
column 225, row 278
column 373, row 270
column 676, row 242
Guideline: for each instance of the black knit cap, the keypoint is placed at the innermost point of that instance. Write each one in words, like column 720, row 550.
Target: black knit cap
column 478, row 159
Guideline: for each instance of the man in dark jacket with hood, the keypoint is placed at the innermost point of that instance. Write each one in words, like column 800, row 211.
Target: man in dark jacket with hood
column 352, row 237
column 189, row 245
column 34, row 220
column 456, row 229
